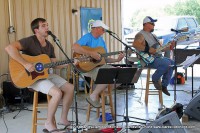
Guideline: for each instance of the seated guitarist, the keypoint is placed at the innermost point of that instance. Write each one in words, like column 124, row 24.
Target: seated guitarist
column 147, row 42
column 54, row 86
column 93, row 40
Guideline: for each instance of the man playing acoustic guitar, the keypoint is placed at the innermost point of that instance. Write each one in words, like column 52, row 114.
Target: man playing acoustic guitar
column 147, row 42
column 54, row 85
column 94, row 40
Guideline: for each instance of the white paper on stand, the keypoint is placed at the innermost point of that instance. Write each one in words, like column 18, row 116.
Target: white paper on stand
column 189, row 61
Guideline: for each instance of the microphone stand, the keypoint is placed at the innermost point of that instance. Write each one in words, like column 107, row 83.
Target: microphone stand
column 75, row 69
column 175, row 63
column 126, row 119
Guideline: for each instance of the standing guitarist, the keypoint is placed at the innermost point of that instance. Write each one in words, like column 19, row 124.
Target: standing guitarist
column 94, row 40
column 147, row 42
column 54, row 86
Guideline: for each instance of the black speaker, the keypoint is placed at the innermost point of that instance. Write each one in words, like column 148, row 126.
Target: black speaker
column 10, row 93
column 13, row 95
column 193, row 108
column 169, row 123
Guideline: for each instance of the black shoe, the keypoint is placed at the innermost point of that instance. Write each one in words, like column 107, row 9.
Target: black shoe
column 157, row 85
column 164, row 90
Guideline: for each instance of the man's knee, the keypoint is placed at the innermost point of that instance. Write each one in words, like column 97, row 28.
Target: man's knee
column 67, row 87
column 55, row 92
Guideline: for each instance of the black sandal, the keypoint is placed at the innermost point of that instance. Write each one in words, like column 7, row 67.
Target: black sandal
column 54, row 130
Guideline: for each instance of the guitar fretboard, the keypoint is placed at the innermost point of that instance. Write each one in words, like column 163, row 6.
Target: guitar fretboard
column 53, row 64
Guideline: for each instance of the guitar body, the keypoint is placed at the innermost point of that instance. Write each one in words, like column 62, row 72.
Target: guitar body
column 21, row 77
column 90, row 63
column 147, row 58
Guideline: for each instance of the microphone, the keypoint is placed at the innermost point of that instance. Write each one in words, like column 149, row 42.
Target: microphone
column 54, row 37
column 51, row 34
column 110, row 32
column 177, row 31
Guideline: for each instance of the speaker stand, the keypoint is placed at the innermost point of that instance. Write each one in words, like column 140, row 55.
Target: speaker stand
column 21, row 106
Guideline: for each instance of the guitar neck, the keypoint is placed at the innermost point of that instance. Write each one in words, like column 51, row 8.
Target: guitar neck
column 163, row 47
column 54, row 64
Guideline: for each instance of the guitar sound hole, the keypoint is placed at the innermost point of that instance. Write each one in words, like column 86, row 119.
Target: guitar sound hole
column 96, row 61
column 39, row 67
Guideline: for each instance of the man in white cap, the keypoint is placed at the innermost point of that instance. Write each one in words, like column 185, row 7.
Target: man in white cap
column 147, row 42
column 93, row 40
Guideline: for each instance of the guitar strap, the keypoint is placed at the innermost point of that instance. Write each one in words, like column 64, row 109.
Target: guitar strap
column 156, row 39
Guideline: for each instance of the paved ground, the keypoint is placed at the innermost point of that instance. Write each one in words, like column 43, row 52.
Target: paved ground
column 136, row 108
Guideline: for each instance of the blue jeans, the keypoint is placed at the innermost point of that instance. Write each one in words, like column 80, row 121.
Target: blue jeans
column 163, row 69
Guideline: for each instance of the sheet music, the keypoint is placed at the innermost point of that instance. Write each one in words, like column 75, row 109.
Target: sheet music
column 189, row 61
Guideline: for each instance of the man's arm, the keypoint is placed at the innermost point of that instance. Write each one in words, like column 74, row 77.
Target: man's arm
column 80, row 50
column 170, row 47
column 112, row 60
column 139, row 44
column 13, row 51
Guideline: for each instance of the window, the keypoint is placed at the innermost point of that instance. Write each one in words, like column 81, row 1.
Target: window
column 191, row 23
column 181, row 24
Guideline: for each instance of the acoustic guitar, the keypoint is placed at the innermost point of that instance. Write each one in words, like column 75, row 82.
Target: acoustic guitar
column 91, row 63
column 23, row 78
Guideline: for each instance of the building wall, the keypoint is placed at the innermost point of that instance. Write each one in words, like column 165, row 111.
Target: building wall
column 62, row 22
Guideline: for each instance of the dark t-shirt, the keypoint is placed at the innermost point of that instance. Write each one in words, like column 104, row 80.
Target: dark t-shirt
column 31, row 46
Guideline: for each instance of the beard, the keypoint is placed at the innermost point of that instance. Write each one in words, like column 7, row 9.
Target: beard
column 152, row 30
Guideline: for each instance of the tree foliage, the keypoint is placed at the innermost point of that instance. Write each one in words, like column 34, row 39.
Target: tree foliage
column 188, row 7
column 181, row 7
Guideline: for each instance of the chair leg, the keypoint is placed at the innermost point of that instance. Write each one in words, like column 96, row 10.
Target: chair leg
column 160, row 98
column 148, row 92
column 103, row 107
column 34, row 114
column 111, row 101
column 88, row 112
column 89, row 106
column 147, row 87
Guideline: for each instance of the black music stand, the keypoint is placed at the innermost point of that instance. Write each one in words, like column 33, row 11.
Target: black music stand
column 113, row 76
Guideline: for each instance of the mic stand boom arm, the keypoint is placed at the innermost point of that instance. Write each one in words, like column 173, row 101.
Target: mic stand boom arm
column 75, row 71
column 126, row 47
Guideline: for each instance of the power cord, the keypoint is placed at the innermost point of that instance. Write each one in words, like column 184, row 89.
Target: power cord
column 2, row 111
column 2, row 104
column 4, row 122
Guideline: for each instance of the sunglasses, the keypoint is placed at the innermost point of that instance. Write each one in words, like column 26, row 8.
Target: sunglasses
column 151, row 23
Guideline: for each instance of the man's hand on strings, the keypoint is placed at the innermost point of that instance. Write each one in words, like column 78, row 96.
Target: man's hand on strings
column 152, row 50
column 95, row 55
column 76, row 61
column 29, row 67
column 173, row 44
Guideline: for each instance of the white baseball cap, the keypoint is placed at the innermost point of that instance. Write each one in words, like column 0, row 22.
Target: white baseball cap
column 149, row 19
column 99, row 23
